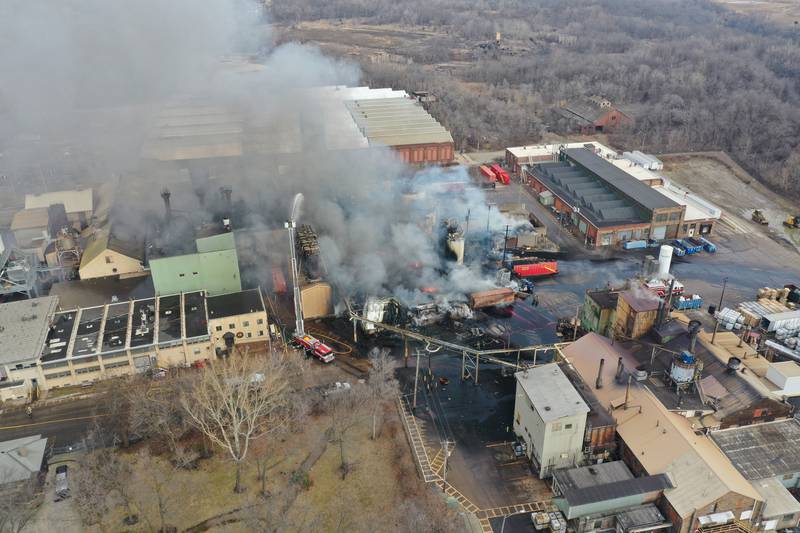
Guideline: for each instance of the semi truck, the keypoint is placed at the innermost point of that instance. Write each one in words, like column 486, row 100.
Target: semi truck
column 314, row 347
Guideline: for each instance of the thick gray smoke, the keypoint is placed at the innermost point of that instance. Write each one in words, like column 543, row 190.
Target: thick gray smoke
column 93, row 75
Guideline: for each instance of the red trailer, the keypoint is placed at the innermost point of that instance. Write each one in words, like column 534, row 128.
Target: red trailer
column 278, row 281
column 492, row 297
column 490, row 175
column 502, row 175
column 529, row 269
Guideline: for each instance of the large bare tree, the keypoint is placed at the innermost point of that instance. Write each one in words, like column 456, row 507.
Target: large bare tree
column 236, row 401
column 19, row 504
column 381, row 384
column 345, row 408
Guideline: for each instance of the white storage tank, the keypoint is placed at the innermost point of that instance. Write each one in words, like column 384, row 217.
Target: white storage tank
column 664, row 261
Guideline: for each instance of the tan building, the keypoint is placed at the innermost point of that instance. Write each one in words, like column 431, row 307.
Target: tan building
column 77, row 204
column 317, row 299
column 637, row 310
column 237, row 318
column 108, row 255
column 707, row 487
column 41, row 349
column 29, row 227
column 23, row 328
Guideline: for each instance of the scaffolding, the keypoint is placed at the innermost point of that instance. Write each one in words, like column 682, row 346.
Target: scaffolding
column 470, row 357
column 18, row 272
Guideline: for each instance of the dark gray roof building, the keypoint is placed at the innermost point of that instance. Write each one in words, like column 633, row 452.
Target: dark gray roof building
column 237, row 303
column 762, row 451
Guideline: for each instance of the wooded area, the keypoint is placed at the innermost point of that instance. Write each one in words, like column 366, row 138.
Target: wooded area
column 695, row 75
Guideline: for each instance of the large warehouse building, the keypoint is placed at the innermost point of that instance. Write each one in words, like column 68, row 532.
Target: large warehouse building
column 47, row 349
column 337, row 118
column 604, row 203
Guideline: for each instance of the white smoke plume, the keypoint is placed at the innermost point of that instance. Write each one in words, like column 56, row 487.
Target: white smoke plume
column 93, row 75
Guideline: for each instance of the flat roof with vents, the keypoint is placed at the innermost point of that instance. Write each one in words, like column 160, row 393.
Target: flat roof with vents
column 550, row 392
column 23, row 328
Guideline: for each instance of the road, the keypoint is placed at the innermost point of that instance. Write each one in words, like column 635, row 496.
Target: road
column 65, row 423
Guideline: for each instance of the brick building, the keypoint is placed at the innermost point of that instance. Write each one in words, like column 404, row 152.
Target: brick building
column 593, row 115
column 605, row 204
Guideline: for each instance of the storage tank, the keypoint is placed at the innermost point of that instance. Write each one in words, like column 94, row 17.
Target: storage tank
column 683, row 368
column 664, row 261
column 456, row 245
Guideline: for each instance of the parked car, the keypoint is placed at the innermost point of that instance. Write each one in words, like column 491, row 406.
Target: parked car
column 62, row 483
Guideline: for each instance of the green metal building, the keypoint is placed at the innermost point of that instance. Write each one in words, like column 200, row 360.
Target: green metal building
column 214, row 268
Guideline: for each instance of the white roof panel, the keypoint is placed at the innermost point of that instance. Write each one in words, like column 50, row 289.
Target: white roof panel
column 551, row 393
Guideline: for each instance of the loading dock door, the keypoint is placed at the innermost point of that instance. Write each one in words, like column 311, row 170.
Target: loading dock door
column 659, row 232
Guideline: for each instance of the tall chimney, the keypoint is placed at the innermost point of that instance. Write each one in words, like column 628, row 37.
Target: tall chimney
column 694, row 329
column 599, row 383
column 165, row 194
column 620, row 370
column 226, row 195
column 628, row 392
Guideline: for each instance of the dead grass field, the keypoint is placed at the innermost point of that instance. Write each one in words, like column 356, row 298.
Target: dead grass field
column 780, row 11
column 382, row 478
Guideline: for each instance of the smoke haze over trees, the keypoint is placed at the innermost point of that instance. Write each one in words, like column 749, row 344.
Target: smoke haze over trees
column 695, row 75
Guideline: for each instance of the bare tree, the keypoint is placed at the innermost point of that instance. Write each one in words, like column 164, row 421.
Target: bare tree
column 155, row 412
column 236, row 401
column 18, row 505
column 160, row 496
column 381, row 383
column 345, row 409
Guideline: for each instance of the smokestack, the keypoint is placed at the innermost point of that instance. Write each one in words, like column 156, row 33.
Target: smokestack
column 226, row 195
column 694, row 329
column 627, row 392
column 165, row 194
column 620, row 370
column 599, row 383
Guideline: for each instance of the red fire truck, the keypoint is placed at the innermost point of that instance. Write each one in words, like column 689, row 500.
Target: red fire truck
column 314, row 347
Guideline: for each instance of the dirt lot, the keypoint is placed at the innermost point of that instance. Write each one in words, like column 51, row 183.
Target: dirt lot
column 780, row 11
column 719, row 179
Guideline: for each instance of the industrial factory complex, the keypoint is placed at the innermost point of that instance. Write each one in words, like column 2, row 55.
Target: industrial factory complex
column 626, row 402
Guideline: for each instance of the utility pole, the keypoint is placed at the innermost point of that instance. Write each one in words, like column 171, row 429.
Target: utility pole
column 488, row 217
column 416, row 378
column 505, row 244
column 446, row 448
column 719, row 308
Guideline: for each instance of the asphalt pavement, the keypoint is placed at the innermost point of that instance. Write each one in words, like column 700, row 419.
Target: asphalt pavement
column 66, row 423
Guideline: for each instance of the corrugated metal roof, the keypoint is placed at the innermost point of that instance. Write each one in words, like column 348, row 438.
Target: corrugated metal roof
column 551, row 393
column 617, row 489
column 619, row 179
column 396, row 122
column 763, row 450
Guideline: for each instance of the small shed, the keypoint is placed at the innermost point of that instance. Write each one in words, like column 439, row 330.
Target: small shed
column 637, row 311
column 600, row 311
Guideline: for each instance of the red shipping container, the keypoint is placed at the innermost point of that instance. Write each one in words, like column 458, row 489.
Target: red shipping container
column 278, row 281
column 529, row 270
column 502, row 175
column 492, row 297
column 486, row 171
